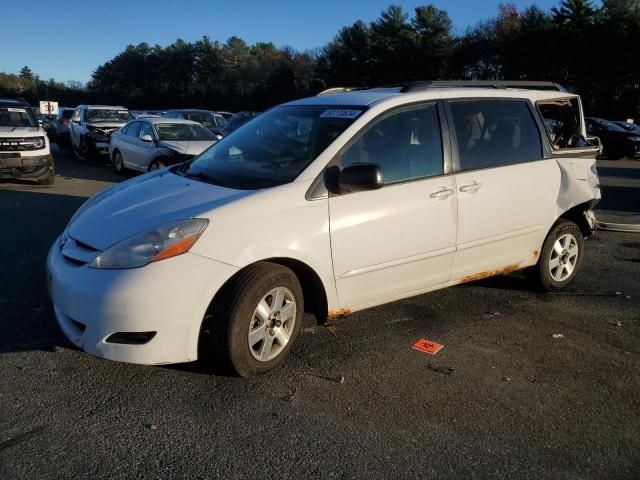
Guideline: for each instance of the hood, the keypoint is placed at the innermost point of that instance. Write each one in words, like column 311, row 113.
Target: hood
column 19, row 131
column 145, row 202
column 108, row 125
column 188, row 147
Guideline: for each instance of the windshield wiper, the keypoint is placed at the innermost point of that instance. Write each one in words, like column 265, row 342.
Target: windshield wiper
column 200, row 176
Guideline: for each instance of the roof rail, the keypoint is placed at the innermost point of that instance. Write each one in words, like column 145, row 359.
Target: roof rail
column 524, row 84
column 329, row 91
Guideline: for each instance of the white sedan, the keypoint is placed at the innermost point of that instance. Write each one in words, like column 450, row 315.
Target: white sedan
column 150, row 143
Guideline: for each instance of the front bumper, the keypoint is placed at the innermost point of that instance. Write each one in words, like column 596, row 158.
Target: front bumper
column 169, row 297
column 25, row 167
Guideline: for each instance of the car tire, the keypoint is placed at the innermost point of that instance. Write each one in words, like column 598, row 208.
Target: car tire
column 77, row 153
column 48, row 178
column 156, row 165
column 118, row 163
column 247, row 341
column 560, row 257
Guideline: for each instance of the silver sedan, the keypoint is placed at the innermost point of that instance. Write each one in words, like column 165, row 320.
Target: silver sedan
column 146, row 144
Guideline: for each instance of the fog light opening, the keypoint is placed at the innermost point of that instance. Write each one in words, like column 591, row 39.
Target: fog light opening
column 131, row 338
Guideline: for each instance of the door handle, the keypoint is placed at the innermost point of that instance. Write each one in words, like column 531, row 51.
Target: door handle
column 442, row 194
column 472, row 188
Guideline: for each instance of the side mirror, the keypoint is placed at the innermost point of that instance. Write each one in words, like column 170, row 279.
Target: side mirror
column 360, row 177
column 147, row 138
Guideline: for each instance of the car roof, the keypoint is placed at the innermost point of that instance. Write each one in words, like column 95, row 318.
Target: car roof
column 191, row 110
column 365, row 98
column 9, row 102
column 156, row 120
column 103, row 107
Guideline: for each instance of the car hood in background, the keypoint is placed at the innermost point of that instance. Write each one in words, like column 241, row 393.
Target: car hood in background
column 18, row 131
column 146, row 202
column 108, row 125
column 187, row 148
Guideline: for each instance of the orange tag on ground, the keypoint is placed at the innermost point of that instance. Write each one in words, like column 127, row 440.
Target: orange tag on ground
column 427, row 347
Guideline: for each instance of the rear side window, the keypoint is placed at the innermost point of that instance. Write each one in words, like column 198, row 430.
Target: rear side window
column 490, row 133
column 406, row 145
column 562, row 121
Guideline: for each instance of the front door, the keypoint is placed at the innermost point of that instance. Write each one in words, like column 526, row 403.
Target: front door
column 398, row 240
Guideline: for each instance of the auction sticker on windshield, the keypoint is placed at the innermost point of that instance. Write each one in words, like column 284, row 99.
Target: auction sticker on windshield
column 340, row 113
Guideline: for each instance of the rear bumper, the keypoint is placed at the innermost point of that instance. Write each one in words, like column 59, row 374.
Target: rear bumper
column 25, row 167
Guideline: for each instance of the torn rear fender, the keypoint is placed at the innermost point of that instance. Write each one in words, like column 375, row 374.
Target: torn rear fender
column 579, row 183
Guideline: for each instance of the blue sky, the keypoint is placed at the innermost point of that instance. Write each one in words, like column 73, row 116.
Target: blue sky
column 68, row 39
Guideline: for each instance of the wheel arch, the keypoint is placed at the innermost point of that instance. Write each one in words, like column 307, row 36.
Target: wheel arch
column 576, row 214
column 313, row 291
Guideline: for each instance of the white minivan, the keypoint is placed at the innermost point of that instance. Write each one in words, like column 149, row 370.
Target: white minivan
column 327, row 205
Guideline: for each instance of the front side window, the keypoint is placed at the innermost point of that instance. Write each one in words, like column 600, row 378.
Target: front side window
column 107, row 115
column 179, row 132
column 16, row 117
column 133, row 129
column 145, row 129
column 490, row 133
column 405, row 145
column 273, row 148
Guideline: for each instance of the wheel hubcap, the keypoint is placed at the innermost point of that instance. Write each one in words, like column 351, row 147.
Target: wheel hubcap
column 272, row 324
column 564, row 256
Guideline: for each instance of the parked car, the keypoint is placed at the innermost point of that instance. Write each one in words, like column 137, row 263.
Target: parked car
column 617, row 142
column 24, row 146
column 149, row 143
column 91, row 128
column 212, row 120
column 237, row 120
column 60, row 126
column 629, row 127
column 329, row 205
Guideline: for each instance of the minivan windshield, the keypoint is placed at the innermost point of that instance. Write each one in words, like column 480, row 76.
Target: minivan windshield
column 15, row 117
column 177, row 132
column 273, row 148
column 108, row 115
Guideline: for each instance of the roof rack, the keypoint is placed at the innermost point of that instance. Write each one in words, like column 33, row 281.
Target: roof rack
column 524, row 84
column 329, row 91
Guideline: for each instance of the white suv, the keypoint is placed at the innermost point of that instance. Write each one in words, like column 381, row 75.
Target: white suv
column 91, row 128
column 24, row 145
column 329, row 205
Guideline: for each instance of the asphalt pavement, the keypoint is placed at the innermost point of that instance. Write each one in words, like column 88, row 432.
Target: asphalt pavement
column 528, row 385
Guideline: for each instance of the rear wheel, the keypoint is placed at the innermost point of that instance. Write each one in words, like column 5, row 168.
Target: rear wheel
column 560, row 258
column 258, row 319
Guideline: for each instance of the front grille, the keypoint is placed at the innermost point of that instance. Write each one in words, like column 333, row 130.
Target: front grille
column 102, row 134
column 77, row 252
column 14, row 144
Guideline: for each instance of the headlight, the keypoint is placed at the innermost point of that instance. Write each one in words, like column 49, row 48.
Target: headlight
column 634, row 139
column 38, row 143
column 159, row 243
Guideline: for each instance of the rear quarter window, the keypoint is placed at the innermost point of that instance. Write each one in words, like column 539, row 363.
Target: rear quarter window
column 491, row 133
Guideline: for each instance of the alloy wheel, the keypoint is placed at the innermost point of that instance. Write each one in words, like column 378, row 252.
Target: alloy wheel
column 272, row 324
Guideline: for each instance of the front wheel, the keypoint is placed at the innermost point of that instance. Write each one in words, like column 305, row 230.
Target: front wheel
column 560, row 258
column 258, row 319
column 118, row 163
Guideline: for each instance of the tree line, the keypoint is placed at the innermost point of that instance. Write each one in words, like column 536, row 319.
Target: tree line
column 593, row 50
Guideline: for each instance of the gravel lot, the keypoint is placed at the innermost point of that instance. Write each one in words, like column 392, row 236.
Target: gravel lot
column 502, row 399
